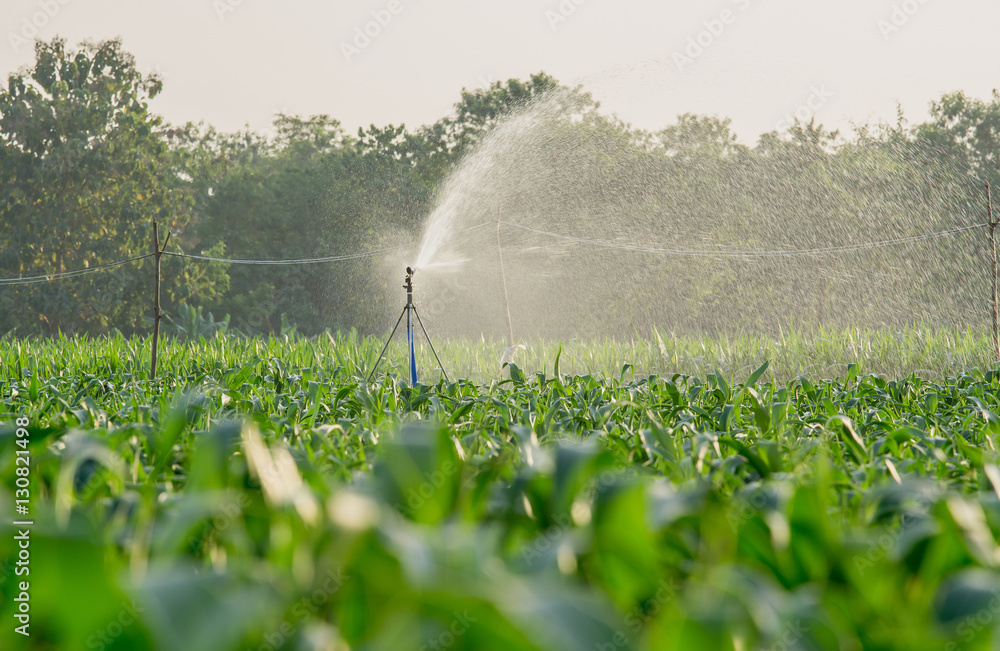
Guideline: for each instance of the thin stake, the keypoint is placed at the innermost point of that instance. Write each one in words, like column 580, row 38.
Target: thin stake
column 993, row 245
column 157, row 314
column 503, row 277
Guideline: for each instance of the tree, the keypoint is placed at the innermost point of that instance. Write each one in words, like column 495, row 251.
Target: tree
column 310, row 191
column 479, row 111
column 700, row 135
column 967, row 130
column 85, row 170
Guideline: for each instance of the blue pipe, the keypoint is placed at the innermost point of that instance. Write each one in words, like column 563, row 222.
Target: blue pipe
column 409, row 338
column 409, row 326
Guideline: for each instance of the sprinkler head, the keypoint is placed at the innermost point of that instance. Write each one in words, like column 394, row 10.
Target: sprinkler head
column 408, row 283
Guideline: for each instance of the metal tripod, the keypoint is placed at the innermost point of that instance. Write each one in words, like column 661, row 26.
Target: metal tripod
column 409, row 311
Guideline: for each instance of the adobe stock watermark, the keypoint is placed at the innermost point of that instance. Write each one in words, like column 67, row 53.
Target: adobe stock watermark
column 127, row 616
column 562, row 12
column 546, row 539
column 806, row 111
column 30, row 25
column 758, row 503
column 417, row 497
column 366, row 34
column 459, row 626
column 230, row 510
column 223, row 7
column 303, row 609
column 636, row 619
column 882, row 545
column 159, row 72
column 899, row 17
column 790, row 636
column 879, row 547
column 698, row 44
column 969, row 627
column 579, row 514
column 270, row 132
column 486, row 81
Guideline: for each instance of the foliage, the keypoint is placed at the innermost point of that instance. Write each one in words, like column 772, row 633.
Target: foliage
column 709, row 135
column 263, row 494
column 86, row 167
column 192, row 324
column 479, row 111
column 85, row 170
column 968, row 130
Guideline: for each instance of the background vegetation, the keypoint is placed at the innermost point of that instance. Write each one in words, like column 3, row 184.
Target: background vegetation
column 85, row 168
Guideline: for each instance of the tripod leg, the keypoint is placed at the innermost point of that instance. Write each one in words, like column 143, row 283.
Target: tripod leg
column 387, row 341
column 431, row 344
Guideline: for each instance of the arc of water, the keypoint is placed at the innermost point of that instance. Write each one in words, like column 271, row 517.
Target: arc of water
column 503, row 278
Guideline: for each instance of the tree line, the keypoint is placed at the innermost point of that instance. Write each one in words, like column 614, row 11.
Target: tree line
column 86, row 167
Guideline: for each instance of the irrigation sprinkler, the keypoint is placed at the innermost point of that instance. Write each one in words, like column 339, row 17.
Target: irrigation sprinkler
column 409, row 311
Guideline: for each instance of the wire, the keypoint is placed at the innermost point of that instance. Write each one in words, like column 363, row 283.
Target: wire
column 732, row 253
column 6, row 282
column 332, row 258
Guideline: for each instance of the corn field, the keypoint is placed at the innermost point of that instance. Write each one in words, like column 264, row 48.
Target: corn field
column 262, row 494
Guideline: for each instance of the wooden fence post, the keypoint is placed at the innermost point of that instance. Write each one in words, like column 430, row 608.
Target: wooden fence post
column 157, row 314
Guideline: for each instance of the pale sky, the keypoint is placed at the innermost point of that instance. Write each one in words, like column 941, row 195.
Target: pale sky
column 236, row 62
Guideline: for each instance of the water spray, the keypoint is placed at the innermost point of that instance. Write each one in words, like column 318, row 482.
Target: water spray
column 503, row 278
column 993, row 245
column 409, row 311
column 511, row 351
